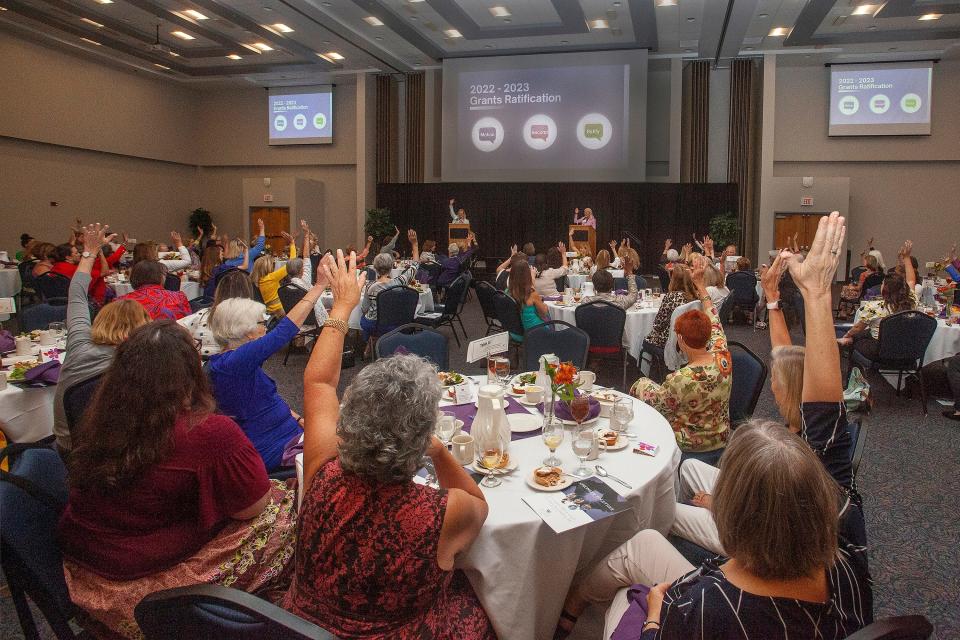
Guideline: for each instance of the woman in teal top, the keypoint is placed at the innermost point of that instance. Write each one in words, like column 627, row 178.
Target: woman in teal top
column 533, row 311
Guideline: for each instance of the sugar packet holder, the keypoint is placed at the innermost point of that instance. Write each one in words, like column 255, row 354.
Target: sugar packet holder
column 646, row 449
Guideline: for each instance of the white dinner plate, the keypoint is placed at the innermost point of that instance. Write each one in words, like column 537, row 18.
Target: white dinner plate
column 12, row 360
column 565, row 481
column 527, row 403
column 622, row 443
column 516, row 379
column 524, row 422
column 511, row 466
column 573, row 423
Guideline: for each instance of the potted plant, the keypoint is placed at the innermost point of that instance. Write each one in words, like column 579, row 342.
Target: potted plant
column 200, row 217
column 724, row 229
column 378, row 223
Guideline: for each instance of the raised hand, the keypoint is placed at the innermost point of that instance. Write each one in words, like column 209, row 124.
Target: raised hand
column 286, row 236
column 905, row 250
column 260, row 226
column 613, row 246
column 95, row 236
column 576, row 212
column 199, row 232
column 513, row 250
column 562, row 247
column 627, row 264
column 412, row 236
column 304, row 226
column 369, row 240
column 452, row 200
column 176, row 239
column 667, row 244
column 814, row 276
column 125, row 237
column 770, row 277
column 697, row 271
column 345, row 285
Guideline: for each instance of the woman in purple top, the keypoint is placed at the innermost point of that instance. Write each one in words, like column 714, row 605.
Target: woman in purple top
column 451, row 266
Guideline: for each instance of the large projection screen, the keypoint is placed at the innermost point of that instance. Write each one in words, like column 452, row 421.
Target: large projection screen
column 880, row 99
column 300, row 115
column 554, row 118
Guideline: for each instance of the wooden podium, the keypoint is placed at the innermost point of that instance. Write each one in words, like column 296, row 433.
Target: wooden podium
column 458, row 233
column 583, row 239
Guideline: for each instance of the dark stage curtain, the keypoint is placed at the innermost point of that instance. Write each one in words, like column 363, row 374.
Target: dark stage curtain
column 415, row 103
column 695, row 122
column 502, row 214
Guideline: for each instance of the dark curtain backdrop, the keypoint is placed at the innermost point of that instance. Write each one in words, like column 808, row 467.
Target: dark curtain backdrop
column 502, row 214
column 695, row 122
column 415, row 104
column 743, row 150
column 387, row 115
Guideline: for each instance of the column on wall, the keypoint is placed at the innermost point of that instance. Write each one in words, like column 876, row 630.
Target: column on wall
column 695, row 125
column 743, row 147
column 414, row 127
column 387, row 129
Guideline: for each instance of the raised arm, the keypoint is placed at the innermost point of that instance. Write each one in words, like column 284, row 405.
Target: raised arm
column 366, row 248
column 506, row 263
column 414, row 245
column 78, row 308
column 390, row 246
column 770, row 281
column 563, row 254
column 245, row 265
column 814, row 277
column 321, row 407
column 185, row 259
column 718, row 339
column 909, row 273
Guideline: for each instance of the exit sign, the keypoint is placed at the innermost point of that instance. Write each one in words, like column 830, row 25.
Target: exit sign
column 268, row 197
column 806, row 201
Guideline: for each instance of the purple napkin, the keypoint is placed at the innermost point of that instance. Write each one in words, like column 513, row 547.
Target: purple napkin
column 552, row 298
column 563, row 411
column 467, row 412
column 630, row 626
column 7, row 341
column 621, row 292
column 43, row 375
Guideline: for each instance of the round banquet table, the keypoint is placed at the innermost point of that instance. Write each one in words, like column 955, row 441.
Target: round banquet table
column 944, row 343
column 520, row 569
column 9, row 286
column 424, row 305
column 639, row 323
column 28, row 412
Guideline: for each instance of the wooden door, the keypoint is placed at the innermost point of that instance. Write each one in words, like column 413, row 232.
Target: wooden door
column 802, row 224
column 275, row 220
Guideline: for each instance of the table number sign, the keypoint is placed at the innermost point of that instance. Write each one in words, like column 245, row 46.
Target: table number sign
column 7, row 306
column 488, row 346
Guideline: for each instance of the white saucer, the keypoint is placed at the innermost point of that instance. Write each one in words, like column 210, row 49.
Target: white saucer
column 565, row 481
column 524, row 422
column 511, row 466
column 523, row 400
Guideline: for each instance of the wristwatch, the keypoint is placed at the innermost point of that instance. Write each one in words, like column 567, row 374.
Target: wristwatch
column 776, row 304
column 86, row 254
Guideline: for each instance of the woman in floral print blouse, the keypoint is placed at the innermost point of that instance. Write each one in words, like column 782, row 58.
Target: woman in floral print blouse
column 695, row 399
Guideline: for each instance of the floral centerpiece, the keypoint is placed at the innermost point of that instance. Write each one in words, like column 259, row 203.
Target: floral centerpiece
column 562, row 385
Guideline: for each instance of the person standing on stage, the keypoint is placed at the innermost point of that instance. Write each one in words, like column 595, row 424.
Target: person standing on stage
column 458, row 216
column 587, row 219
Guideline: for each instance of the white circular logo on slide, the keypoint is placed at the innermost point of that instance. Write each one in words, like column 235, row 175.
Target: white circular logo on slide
column 910, row 103
column 539, row 132
column 879, row 104
column 594, row 131
column 280, row 123
column 487, row 134
column 848, row 105
column 300, row 122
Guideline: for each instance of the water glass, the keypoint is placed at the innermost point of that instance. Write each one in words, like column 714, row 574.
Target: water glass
column 502, row 368
column 582, row 445
column 446, row 426
column 491, row 455
column 57, row 328
column 622, row 414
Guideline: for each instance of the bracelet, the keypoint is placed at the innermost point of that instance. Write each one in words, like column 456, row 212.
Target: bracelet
column 337, row 324
column 648, row 622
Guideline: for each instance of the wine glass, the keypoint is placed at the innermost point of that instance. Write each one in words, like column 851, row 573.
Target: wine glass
column 576, row 295
column 491, row 455
column 553, row 438
column 580, row 409
column 582, row 444
column 623, row 414
column 446, row 426
column 502, row 368
column 57, row 328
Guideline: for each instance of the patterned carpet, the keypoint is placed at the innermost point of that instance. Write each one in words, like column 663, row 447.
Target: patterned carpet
column 908, row 479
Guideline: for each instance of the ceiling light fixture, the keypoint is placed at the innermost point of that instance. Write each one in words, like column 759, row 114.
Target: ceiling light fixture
column 500, row 12
column 865, row 10
column 196, row 15
column 182, row 35
column 373, row 21
column 89, row 21
column 930, row 16
column 778, row 31
column 331, row 56
column 174, row 54
column 234, row 56
column 161, row 66
column 691, row 19
column 91, row 41
column 599, row 23
column 762, row 15
column 251, row 48
column 262, row 46
column 452, row 33
column 103, row 1
column 666, row 3
column 282, row 28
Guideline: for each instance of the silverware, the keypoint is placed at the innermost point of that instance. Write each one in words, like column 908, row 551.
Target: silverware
column 604, row 474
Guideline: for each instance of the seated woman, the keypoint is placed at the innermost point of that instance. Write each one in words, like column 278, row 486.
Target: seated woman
column 695, row 399
column 164, row 492
column 549, row 268
column 233, row 284
column 896, row 294
column 602, row 262
column 267, row 279
column 242, row 389
column 383, row 265
column 603, row 287
column 147, row 280
column 67, row 256
column 681, row 291
column 375, row 553
column 42, row 252
column 533, row 312
column 716, row 283
column 300, row 271
column 150, row 251
column 91, row 347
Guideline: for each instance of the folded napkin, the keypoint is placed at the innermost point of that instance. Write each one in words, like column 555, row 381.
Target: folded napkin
column 43, row 375
column 7, row 341
column 563, row 411
column 621, row 292
column 552, row 298
column 631, row 624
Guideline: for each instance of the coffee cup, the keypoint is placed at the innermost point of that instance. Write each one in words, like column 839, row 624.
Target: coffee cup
column 463, row 448
column 24, row 346
column 47, row 339
column 534, row 394
column 586, row 379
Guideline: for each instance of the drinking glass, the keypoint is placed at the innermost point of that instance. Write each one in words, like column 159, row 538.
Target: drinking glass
column 491, row 369
column 553, row 438
column 57, row 328
column 491, row 455
column 580, row 409
column 582, row 444
column 446, row 425
column 623, row 414
column 502, row 368
column 656, row 291
column 576, row 295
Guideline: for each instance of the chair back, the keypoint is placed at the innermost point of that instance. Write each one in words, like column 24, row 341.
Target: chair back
column 858, row 438
column 171, row 282
column 896, row 628
column 560, row 283
column 604, row 323
column 77, row 397
column 53, row 286
column 212, row 611
column 567, row 342
column 873, row 280
column 26, row 274
column 486, row 293
column 725, row 308
column 749, row 376
column 856, row 272
column 371, row 274
column 904, row 337
column 743, row 287
column 456, row 296
column 38, row 316
column 433, row 269
column 396, row 305
column 418, row 340
column 502, row 278
column 508, row 313
column 32, row 496
column 673, row 357
column 619, row 283
column 290, row 295
column 664, row 276
column 640, row 280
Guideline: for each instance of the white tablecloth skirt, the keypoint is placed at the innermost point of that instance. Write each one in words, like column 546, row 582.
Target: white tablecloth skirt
column 9, row 286
column 190, row 288
column 639, row 324
column 577, row 279
column 424, row 305
column 27, row 412
column 944, row 343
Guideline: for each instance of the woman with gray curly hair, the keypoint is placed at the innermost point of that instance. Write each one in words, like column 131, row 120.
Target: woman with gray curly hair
column 376, row 551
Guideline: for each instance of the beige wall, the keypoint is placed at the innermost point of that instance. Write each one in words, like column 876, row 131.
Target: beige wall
column 900, row 187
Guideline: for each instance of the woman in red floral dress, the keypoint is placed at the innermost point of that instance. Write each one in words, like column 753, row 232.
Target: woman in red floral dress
column 375, row 552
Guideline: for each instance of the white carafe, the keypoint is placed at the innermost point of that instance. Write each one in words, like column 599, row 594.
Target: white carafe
column 490, row 424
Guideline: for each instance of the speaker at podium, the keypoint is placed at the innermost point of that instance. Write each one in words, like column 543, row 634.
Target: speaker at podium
column 459, row 233
column 583, row 239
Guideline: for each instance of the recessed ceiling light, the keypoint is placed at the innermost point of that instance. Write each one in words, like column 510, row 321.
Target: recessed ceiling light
column 331, row 56
column 762, row 15
column 103, row 1
column 666, row 3
column 599, row 23
column 500, row 12
column 691, row 19
column 865, row 10
column 182, row 35
column 282, row 28
column 415, row 1
column 91, row 41
column 689, row 50
column 373, row 21
column 262, row 46
column 174, row 54
column 748, row 48
column 930, row 16
column 250, row 47
column 617, row 4
column 234, row 56
column 161, row 66
column 778, row 31
column 89, row 21
column 872, row 27
column 452, row 33
column 196, row 15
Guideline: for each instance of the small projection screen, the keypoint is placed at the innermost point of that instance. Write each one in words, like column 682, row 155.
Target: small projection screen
column 300, row 115
column 880, row 99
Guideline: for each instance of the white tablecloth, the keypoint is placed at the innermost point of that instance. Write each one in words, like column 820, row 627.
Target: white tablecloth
column 639, row 324
column 944, row 343
column 190, row 288
column 577, row 279
column 28, row 413
column 521, row 570
column 425, row 305
column 9, row 286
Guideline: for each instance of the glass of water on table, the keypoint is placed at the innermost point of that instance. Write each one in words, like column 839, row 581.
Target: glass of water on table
column 620, row 417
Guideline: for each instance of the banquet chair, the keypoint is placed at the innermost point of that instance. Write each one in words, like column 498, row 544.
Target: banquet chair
column 502, row 278
column 652, row 356
column 743, row 291
column 39, row 316
column 896, row 628
column 509, row 316
column 212, row 611
column 290, row 294
column 28, row 285
column 562, row 339
column 452, row 305
column 871, row 281
column 620, row 284
column 856, row 427
column 35, row 490
column 396, row 306
column 749, row 376
column 640, row 280
column 604, row 323
column 664, row 276
column 416, row 339
column 54, row 287
column 904, row 338
column 171, row 282
column 561, row 283
column 76, row 398
column 486, row 293
column 855, row 273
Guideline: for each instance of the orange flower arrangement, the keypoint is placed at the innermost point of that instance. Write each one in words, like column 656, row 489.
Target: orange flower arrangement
column 562, row 376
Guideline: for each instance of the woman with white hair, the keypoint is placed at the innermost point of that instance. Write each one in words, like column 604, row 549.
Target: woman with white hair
column 242, row 389
column 376, row 551
column 383, row 265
